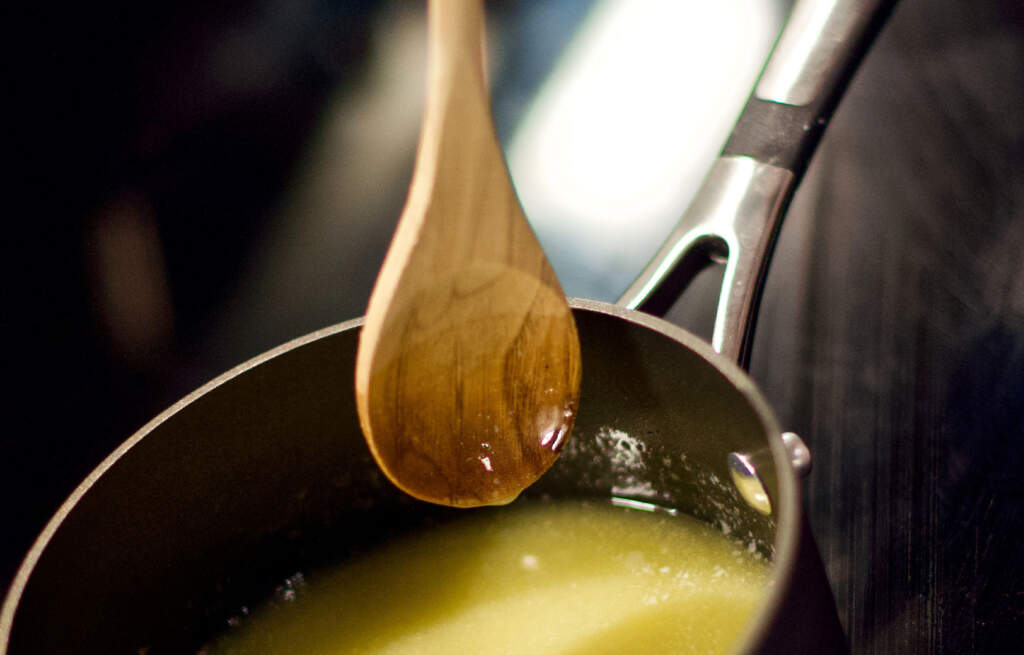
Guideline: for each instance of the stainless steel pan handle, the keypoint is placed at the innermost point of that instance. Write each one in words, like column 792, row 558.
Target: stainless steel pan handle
column 736, row 214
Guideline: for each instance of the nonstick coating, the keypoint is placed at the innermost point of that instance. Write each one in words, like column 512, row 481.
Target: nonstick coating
column 264, row 472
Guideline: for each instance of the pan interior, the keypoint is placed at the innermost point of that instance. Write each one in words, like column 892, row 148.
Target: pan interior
column 264, row 473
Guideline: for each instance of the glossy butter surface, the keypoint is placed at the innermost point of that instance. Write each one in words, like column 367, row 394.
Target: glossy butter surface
column 563, row 577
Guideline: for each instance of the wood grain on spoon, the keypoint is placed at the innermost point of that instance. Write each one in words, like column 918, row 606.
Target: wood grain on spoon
column 467, row 376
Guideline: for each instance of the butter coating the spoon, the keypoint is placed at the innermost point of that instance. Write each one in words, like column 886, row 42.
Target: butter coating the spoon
column 467, row 375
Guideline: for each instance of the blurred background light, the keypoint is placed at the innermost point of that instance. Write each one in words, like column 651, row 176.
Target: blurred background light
column 619, row 137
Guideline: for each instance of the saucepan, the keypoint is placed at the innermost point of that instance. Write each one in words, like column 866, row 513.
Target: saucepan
column 263, row 471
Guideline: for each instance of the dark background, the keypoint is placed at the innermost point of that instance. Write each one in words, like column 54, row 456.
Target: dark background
column 151, row 148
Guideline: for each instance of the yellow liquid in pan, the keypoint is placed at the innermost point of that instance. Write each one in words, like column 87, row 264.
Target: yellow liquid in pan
column 568, row 578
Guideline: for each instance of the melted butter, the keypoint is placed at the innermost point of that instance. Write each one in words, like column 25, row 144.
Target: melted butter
column 568, row 578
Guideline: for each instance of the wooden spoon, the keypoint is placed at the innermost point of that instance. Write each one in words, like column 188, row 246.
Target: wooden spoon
column 467, row 376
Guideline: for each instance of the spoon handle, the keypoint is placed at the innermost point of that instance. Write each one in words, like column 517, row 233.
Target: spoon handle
column 456, row 40
column 455, row 74
column 459, row 156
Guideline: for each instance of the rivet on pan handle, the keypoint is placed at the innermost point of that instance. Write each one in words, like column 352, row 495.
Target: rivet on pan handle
column 737, row 212
column 743, row 468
